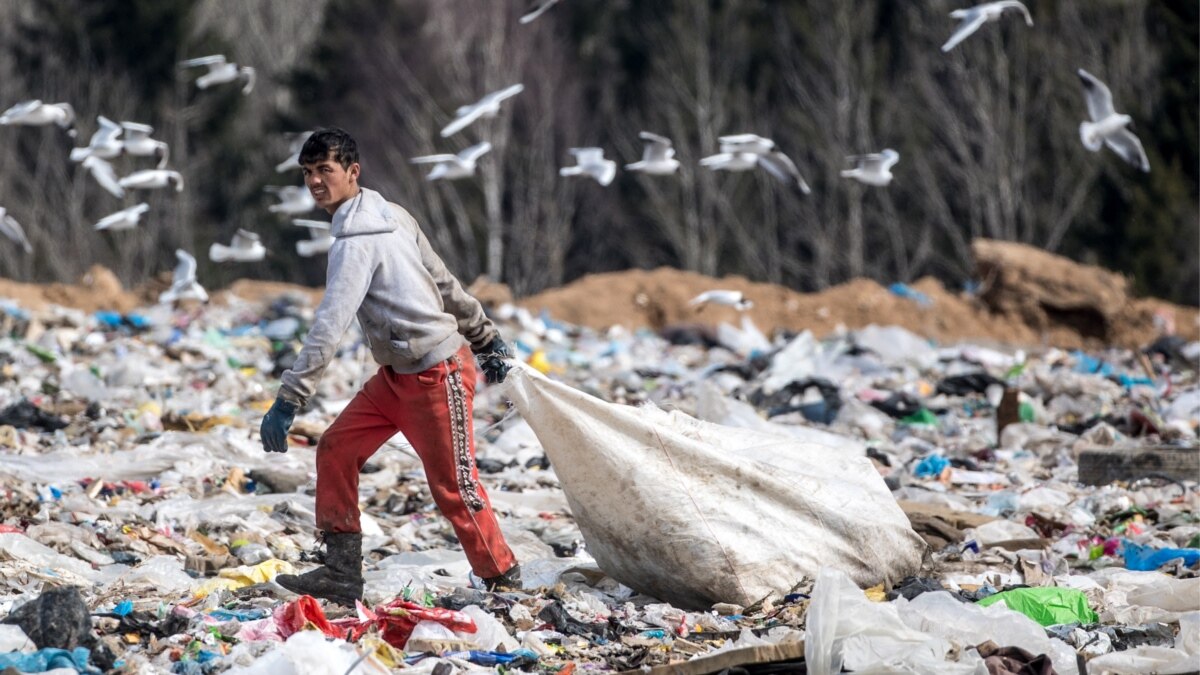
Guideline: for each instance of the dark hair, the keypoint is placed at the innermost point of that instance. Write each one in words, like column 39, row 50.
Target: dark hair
column 331, row 140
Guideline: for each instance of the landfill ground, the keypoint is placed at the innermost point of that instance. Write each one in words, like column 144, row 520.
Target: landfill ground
column 132, row 471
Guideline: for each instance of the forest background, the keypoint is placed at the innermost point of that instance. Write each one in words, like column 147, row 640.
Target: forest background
column 988, row 134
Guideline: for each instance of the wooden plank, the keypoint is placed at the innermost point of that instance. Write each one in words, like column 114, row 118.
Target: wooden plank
column 1101, row 466
column 788, row 651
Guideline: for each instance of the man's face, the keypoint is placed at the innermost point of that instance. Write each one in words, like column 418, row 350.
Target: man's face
column 330, row 183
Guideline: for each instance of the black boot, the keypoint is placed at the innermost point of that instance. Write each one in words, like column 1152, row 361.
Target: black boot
column 340, row 580
column 509, row 581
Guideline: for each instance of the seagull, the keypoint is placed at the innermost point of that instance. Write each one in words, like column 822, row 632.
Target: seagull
column 104, row 174
column 488, row 106
column 321, row 239
column 220, row 71
column 658, row 157
column 873, row 169
column 106, row 143
column 184, row 285
column 734, row 299
column 125, row 219
column 10, row 228
column 295, row 145
column 753, row 143
column 1108, row 127
column 36, row 113
column 974, row 17
column 452, row 167
column 536, row 9
column 153, row 179
column 245, row 247
column 139, row 144
column 782, row 167
column 293, row 199
column 590, row 162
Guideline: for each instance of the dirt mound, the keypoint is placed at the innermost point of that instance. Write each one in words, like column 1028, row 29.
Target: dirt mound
column 1030, row 298
column 262, row 292
column 98, row 289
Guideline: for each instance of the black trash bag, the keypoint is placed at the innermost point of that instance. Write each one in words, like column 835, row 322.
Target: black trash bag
column 57, row 619
column 899, row 405
column 557, row 616
column 911, row 587
column 24, row 415
column 822, row 412
column 968, row 383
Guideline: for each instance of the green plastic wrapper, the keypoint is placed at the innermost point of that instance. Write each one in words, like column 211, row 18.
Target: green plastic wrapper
column 1047, row 605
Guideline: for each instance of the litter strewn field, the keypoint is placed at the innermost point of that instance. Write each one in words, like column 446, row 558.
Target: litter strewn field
column 132, row 469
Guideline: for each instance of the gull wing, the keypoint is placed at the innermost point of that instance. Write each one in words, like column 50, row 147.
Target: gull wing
column 244, row 239
column 313, row 225
column 536, row 9
column 1126, row 144
column 783, row 168
column 250, row 74
column 22, row 108
column 1099, row 98
column 971, row 22
column 136, row 131
column 433, row 159
column 215, row 59
column 475, row 152
column 185, row 271
column 506, row 93
column 105, row 175
column 1010, row 4
column 13, row 230
column 584, row 156
column 658, row 148
column 466, row 115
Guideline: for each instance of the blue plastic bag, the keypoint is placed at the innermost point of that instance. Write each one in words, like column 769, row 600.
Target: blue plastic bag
column 1146, row 559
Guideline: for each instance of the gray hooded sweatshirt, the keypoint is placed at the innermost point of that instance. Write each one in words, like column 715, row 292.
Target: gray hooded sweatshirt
column 413, row 312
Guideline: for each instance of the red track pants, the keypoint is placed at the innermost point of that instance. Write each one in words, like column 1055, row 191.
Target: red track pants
column 433, row 410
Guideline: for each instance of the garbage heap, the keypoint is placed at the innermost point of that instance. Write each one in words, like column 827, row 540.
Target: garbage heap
column 142, row 525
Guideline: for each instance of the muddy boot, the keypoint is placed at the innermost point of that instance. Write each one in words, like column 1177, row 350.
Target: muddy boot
column 340, row 580
column 509, row 581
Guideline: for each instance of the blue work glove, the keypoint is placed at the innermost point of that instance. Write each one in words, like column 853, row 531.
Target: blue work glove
column 275, row 425
column 491, row 358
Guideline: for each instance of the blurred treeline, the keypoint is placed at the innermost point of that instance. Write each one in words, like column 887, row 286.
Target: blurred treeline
column 988, row 134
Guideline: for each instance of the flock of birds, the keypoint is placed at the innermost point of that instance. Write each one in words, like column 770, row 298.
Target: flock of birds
column 737, row 152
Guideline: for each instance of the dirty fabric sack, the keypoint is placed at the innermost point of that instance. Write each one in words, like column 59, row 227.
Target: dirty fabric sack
column 696, row 513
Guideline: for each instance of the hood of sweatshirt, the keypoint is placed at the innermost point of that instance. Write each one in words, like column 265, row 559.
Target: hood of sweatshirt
column 367, row 213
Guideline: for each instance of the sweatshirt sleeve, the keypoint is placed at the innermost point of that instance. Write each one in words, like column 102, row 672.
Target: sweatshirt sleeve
column 347, row 280
column 473, row 324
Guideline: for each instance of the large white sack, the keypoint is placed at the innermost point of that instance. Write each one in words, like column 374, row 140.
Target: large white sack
column 695, row 513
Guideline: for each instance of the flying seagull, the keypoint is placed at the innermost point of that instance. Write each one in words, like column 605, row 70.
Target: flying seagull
column 293, row 199
column 320, row 240
column 590, row 162
column 105, row 143
column 488, row 106
column 974, row 17
column 139, row 144
column 36, row 113
column 220, row 71
column 245, row 247
column 104, row 174
column 734, row 299
column 738, row 143
column 873, row 169
column 184, row 285
column 536, row 9
column 1108, row 127
column 10, row 228
column 152, row 179
column 658, row 157
column 452, row 167
column 125, row 219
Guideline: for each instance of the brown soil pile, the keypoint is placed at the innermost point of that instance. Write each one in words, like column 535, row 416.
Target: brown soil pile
column 98, row 289
column 263, row 292
column 1030, row 298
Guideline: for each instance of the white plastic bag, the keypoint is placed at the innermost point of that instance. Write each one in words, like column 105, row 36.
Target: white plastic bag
column 695, row 513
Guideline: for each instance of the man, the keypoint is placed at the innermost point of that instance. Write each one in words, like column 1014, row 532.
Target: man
column 415, row 316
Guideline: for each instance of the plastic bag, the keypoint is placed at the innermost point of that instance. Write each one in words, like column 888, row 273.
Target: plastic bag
column 1183, row 658
column 695, row 513
column 1048, row 605
column 1146, row 559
